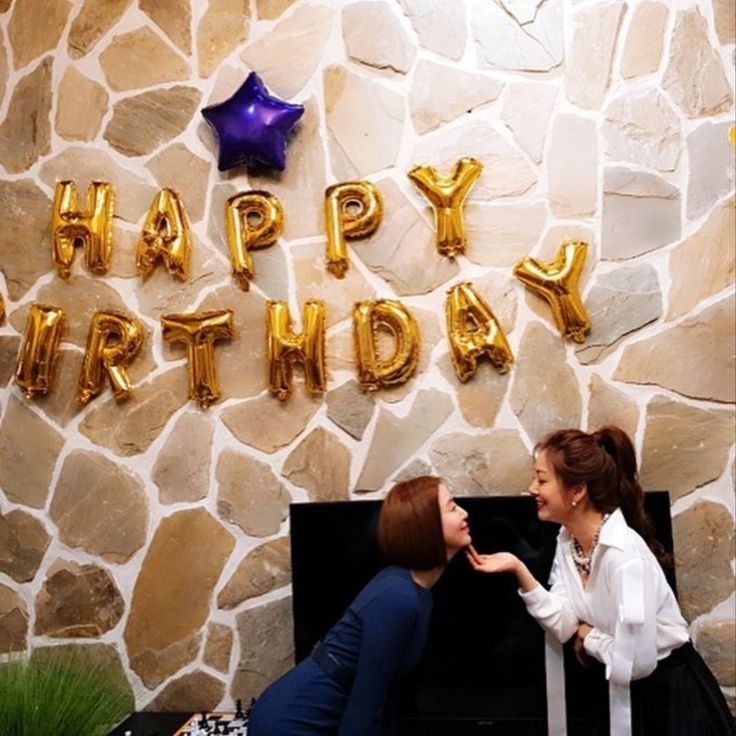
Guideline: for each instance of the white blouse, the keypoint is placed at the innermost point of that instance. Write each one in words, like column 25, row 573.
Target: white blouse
column 635, row 618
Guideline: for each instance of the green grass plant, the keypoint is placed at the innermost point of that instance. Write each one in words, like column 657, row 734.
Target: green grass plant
column 62, row 693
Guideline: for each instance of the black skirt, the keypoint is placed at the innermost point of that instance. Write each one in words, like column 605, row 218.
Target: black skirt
column 680, row 698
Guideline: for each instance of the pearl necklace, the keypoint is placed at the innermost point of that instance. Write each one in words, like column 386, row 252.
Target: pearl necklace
column 582, row 561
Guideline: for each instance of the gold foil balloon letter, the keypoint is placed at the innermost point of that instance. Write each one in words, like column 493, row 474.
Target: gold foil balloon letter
column 558, row 282
column 38, row 351
column 91, row 229
column 447, row 194
column 254, row 220
column 353, row 210
column 368, row 318
column 198, row 332
column 113, row 341
column 285, row 347
column 474, row 333
column 165, row 235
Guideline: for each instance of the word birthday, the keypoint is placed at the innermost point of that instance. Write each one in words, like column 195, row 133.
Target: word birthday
column 254, row 220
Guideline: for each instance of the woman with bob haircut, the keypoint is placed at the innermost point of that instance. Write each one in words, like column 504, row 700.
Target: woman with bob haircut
column 342, row 688
column 609, row 591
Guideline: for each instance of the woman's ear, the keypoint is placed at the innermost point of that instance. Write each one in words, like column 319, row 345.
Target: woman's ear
column 580, row 493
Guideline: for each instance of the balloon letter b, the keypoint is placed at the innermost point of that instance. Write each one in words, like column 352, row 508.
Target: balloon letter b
column 353, row 209
column 286, row 347
column 35, row 368
column 199, row 332
column 165, row 235
column 368, row 317
column 558, row 283
column 91, row 229
column 113, row 341
column 447, row 194
column 254, row 220
column 474, row 332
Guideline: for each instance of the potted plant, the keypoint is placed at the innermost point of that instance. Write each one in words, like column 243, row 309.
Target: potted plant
column 61, row 691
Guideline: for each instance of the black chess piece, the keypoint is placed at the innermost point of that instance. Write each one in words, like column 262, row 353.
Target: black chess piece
column 203, row 720
column 239, row 708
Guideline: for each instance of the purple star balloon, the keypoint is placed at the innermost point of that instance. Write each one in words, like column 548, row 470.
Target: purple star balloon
column 252, row 126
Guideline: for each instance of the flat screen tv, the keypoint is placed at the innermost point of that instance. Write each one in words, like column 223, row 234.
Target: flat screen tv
column 483, row 668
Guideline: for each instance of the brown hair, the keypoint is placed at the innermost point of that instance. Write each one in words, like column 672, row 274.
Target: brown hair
column 605, row 462
column 410, row 525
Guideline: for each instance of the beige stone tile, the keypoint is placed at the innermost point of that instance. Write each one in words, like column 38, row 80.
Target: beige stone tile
column 222, row 28
column 462, row 93
column 287, row 56
column 724, row 13
column 502, row 41
column 619, row 303
column 174, row 18
column 139, row 59
column 35, row 27
column 440, row 25
column 642, row 51
column 695, row 358
column 182, row 468
column 272, row 9
column 77, row 601
column 142, row 123
column 218, row 647
column 171, row 599
column 641, row 213
column 716, row 641
column 375, row 37
column 588, row 67
column 23, row 544
column 365, row 122
column 703, row 264
column 694, row 78
column 496, row 463
column 249, row 494
column 609, row 405
column 265, row 568
column 21, row 143
column 396, row 439
column 545, row 394
column 572, row 166
column 712, row 170
column 320, row 463
column 92, row 22
column 269, row 424
column 350, row 408
column 527, row 108
column 642, row 128
column 176, row 167
column 99, row 506
column 266, row 647
column 81, row 106
column 29, row 449
column 195, row 690
column 704, row 544
column 25, row 252
column 13, row 621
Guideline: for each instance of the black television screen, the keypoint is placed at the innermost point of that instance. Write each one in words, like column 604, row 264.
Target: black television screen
column 483, row 668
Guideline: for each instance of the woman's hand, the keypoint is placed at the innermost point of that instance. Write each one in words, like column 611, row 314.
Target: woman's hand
column 502, row 562
column 499, row 562
column 579, row 644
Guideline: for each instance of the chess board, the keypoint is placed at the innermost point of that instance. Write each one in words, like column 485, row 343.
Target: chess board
column 208, row 724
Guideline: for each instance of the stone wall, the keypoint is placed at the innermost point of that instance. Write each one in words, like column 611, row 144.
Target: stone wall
column 156, row 530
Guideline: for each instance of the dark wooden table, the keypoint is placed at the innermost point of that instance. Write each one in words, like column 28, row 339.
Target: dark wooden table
column 152, row 724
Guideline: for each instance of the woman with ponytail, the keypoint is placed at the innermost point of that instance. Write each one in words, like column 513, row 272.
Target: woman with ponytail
column 608, row 590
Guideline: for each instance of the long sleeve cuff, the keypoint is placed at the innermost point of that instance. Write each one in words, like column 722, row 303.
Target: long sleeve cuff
column 593, row 643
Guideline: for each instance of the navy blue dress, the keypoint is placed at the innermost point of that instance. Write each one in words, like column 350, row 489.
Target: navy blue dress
column 382, row 634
